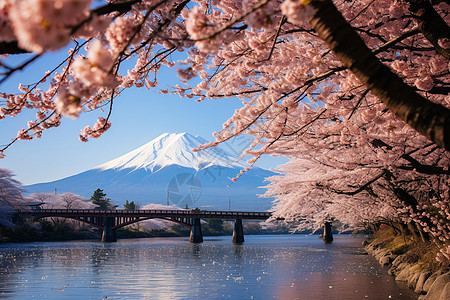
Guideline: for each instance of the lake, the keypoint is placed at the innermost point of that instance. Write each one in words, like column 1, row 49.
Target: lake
column 264, row 267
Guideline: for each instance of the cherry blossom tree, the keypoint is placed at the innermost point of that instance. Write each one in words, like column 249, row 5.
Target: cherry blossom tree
column 353, row 91
column 10, row 189
column 358, row 186
column 62, row 201
column 10, row 197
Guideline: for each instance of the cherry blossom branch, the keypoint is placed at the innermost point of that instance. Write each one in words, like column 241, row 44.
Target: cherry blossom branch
column 282, row 21
column 30, row 129
column 138, row 28
column 415, row 164
column 421, row 168
column 37, row 124
column 105, row 125
column 317, row 117
column 233, row 94
column 175, row 13
column 431, row 24
column 357, row 104
column 242, row 130
column 164, row 54
column 18, row 68
column 266, row 146
column 69, row 59
column 233, row 21
column 362, row 188
column 365, row 8
column 377, row 50
column 219, row 69
column 399, row 97
column 121, row 7
column 396, row 40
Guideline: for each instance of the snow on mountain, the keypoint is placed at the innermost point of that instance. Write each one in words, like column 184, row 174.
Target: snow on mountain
column 171, row 149
column 167, row 170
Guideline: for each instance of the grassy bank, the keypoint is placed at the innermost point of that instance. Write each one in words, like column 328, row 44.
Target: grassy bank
column 415, row 250
column 411, row 259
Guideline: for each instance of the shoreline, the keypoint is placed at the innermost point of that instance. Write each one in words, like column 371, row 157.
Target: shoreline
column 426, row 283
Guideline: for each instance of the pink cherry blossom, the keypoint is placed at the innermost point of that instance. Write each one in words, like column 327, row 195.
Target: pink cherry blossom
column 297, row 11
column 67, row 104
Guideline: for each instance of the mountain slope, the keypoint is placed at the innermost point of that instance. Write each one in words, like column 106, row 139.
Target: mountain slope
column 166, row 169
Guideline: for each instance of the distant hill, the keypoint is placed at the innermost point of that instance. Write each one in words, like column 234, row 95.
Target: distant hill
column 166, row 168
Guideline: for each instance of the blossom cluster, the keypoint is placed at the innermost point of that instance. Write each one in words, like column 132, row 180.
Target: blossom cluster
column 44, row 25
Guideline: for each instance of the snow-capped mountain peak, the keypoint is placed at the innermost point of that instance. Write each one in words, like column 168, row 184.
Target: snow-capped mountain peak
column 166, row 169
column 171, row 149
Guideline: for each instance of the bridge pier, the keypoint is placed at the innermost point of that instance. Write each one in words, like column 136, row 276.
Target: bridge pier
column 109, row 234
column 196, row 231
column 238, row 232
column 327, row 233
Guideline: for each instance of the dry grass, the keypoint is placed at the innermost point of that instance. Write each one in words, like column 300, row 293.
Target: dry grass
column 416, row 251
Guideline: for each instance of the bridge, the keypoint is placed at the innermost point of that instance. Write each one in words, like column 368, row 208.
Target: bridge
column 110, row 220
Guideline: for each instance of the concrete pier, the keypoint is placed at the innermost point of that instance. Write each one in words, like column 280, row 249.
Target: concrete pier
column 327, row 232
column 238, row 232
column 196, row 231
column 109, row 234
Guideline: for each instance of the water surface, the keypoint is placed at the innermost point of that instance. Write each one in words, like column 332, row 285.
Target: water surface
column 264, row 267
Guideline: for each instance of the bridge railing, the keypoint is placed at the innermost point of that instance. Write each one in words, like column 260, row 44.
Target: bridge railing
column 155, row 212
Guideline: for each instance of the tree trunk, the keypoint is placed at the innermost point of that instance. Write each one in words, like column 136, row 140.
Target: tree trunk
column 429, row 119
column 423, row 235
column 413, row 229
column 403, row 229
column 430, row 23
column 396, row 230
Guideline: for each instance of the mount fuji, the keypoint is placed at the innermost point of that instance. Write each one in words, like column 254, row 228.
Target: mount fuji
column 166, row 170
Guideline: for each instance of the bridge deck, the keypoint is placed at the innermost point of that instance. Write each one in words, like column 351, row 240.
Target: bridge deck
column 152, row 213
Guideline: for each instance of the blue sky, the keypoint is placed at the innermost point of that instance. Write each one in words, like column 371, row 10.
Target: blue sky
column 139, row 115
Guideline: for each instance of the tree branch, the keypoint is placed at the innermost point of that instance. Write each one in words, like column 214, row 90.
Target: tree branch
column 430, row 23
column 421, row 168
column 364, row 187
column 11, row 48
column 120, row 7
column 415, row 164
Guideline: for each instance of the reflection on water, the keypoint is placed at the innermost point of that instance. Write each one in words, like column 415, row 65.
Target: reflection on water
column 264, row 267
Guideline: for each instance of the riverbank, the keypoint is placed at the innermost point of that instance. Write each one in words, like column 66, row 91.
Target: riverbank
column 413, row 262
column 31, row 233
